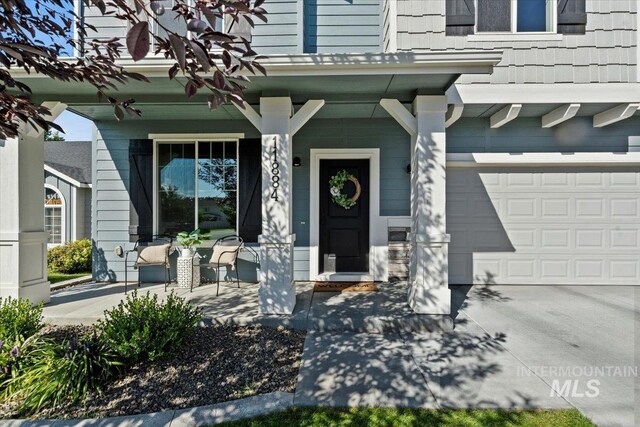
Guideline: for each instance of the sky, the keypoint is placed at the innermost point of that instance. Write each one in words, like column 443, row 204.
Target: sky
column 76, row 128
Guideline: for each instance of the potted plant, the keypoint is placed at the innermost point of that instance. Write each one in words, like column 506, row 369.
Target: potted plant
column 188, row 241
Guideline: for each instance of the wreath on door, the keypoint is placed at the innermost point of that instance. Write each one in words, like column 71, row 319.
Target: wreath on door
column 336, row 184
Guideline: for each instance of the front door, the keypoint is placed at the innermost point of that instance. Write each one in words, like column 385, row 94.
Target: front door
column 344, row 233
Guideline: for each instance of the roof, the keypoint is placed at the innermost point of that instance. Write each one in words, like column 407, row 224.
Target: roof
column 69, row 158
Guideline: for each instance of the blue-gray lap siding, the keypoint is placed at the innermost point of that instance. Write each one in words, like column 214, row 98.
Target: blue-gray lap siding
column 111, row 165
column 294, row 26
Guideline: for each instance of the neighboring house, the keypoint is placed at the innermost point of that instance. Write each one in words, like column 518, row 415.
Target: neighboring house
column 67, row 191
column 502, row 135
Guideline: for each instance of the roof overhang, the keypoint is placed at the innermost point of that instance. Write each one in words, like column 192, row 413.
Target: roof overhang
column 357, row 64
column 335, row 78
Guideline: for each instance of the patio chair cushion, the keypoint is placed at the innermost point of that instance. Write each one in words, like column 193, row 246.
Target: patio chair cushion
column 153, row 255
column 225, row 253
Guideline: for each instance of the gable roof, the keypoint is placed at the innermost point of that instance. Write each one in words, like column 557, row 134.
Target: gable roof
column 71, row 159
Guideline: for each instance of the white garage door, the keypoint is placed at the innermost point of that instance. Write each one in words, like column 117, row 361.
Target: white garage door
column 544, row 225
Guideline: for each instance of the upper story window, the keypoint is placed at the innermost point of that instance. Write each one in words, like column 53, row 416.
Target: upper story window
column 516, row 16
column 502, row 19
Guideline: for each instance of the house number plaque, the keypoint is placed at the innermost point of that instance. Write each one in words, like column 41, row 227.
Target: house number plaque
column 275, row 170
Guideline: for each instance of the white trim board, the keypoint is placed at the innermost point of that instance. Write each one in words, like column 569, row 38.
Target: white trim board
column 543, row 159
column 558, row 93
column 377, row 233
column 187, row 137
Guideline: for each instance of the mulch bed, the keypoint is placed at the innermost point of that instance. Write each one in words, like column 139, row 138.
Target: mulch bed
column 215, row 364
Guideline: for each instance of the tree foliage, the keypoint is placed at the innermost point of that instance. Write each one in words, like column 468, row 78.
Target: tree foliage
column 37, row 37
column 53, row 135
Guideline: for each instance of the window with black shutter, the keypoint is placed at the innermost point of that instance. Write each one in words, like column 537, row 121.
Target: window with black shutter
column 515, row 16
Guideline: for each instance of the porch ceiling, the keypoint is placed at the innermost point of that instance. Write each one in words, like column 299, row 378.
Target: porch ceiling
column 346, row 96
column 351, row 84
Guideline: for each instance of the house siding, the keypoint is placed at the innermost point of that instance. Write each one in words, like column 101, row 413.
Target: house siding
column 607, row 53
column 342, row 26
column 294, row 26
column 111, row 166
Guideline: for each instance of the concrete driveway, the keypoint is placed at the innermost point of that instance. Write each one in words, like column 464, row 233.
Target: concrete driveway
column 512, row 347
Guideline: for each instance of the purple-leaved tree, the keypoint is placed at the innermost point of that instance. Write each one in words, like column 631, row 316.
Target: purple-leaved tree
column 37, row 36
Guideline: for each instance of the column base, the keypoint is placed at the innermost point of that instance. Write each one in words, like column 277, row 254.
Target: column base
column 279, row 299
column 425, row 300
column 23, row 266
column 277, row 293
column 429, row 284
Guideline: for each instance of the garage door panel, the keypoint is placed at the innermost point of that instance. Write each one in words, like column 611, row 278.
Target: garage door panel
column 544, row 226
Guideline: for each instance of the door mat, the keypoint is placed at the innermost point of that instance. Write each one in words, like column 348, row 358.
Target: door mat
column 344, row 287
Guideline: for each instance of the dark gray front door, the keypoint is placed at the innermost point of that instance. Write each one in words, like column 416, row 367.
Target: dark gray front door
column 344, row 233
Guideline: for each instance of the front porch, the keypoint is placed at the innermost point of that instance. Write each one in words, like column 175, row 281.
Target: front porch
column 385, row 311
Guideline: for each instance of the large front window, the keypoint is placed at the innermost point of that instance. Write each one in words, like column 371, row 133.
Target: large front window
column 197, row 185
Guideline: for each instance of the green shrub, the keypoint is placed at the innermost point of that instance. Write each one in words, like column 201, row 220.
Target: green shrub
column 72, row 257
column 141, row 328
column 19, row 320
column 58, row 373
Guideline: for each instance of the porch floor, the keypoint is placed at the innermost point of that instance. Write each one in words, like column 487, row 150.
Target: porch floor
column 383, row 311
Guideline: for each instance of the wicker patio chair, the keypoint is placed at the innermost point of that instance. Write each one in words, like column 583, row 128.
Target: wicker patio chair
column 224, row 253
column 149, row 253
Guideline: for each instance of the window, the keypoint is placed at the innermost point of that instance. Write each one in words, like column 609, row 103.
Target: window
column 516, row 16
column 197, row 185
column 53, row 215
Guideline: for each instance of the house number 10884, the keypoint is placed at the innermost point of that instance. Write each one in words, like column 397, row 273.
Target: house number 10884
column 275, row 170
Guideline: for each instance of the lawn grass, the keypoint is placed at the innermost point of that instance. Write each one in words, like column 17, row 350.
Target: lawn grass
column 405, row 417
column 54, row 277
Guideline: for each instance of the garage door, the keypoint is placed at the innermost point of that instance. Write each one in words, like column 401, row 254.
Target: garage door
column 544, row 225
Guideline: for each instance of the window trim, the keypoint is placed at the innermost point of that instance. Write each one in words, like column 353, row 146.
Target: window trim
column 177, row 138
column 63, row 208
column 509, row 35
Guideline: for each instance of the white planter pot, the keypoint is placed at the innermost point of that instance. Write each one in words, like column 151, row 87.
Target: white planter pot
column 186, row 252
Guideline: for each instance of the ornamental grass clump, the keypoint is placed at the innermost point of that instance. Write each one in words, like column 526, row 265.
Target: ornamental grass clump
column 57, row 373
column 142, row 328
column 19, row 320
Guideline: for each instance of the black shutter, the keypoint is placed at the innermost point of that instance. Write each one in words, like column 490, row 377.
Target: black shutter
column 250, row 189
column 461, row 17
column 494, row 16
column 572, row 16
column 140, row 189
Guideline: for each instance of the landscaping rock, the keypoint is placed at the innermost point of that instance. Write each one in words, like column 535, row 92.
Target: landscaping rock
column 215, row 364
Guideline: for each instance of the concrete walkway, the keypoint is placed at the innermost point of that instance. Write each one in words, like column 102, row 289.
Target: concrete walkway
column 510, row 347
column 376, row 312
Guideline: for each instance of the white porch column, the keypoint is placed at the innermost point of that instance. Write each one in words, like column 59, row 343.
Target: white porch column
column 428, row 282
column 277, row 294
column 23, row 241
column 429, row 287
